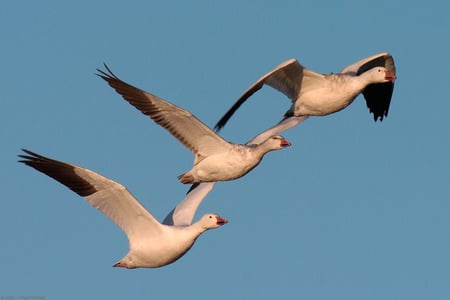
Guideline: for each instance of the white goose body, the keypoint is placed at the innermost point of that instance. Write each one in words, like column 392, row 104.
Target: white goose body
column 314, row 94
column 151, row 243
column 215, row 159
column 236, row 161
column 152, row 250
column 333, row 93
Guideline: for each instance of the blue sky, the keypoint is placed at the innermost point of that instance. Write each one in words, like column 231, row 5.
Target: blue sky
column 353, row 210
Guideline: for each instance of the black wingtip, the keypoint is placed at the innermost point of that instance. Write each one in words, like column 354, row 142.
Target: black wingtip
column 193, row 186
column 109, row 70
column 106, row 75
column 223, row 120
column 380, row 117
column 218, row 126
column 26, row 159
column 60, row 171
column 221, row 123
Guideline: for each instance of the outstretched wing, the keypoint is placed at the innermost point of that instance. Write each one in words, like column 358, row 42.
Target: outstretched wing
column 283, row 125
column 108, row 196
column 286, row 78
column 184, row 126
column 184, row 212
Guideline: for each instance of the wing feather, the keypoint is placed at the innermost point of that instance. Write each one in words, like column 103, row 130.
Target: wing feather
column 108, row 196
column 376, row 60
column 289, row 78
column 284, row 78
column 184, row 212
column 184, row 126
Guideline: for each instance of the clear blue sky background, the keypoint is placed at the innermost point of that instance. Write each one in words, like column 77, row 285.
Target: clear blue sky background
column 353, row 210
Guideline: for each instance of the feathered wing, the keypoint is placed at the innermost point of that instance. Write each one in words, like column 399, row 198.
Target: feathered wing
column 184, row 126
column 284, row 125
column 378, row 99
column 184, row 212
column 285, row 78
column 366, row 64
column 378, row 95
column 108, row 196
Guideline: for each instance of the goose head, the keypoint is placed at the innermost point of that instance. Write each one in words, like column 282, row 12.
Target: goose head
column 276, row 142
column 381, row 75
column 212, row 221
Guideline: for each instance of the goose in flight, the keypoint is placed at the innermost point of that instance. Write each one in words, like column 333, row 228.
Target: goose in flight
column 215, row 158
column 152, row 244
column 314, row 94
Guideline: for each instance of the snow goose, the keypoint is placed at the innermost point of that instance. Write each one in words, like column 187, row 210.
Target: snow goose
column 151, row 243
column 215, row 159
column 314, row 94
